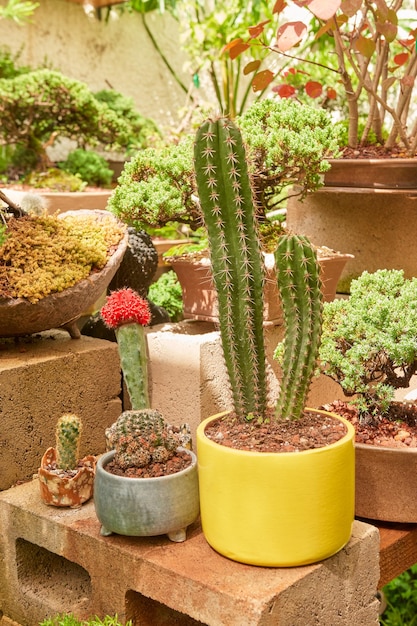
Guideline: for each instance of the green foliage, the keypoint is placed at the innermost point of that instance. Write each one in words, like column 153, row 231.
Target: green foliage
column 71, row 620
column 156, row 187
column 401, row 596
column 90, row 166
column 56, row 179
column 287, row 144
column 39, row 105
column 3, row 233
column 68, row 433
column 18, row 10
column 369, row 341
column 143, row 131
column 140, row 438
column 9, row 64
column 167, row 293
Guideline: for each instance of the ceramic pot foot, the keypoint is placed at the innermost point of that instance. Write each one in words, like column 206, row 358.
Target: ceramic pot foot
column 104, row 532
column 178, row 535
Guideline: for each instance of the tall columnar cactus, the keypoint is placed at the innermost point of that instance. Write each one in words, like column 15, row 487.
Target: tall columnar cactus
column 227, row 203
column 302, row 301
column 127, row 313
column 68, row 433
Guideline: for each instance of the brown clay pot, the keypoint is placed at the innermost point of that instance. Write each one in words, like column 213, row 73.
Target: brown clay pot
column 59, row 490
column 386, row 483
column 200, row 299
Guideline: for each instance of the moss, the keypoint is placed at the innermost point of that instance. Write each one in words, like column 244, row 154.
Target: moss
column 44, row 255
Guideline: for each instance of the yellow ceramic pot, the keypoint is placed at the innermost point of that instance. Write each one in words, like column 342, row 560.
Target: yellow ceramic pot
column 277, row 509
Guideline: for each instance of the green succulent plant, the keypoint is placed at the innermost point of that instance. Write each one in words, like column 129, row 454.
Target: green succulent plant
column 229, row 209
column 369, row 341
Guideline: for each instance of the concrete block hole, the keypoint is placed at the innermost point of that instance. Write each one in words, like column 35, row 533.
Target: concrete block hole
column 58, row 583
column 144, row 611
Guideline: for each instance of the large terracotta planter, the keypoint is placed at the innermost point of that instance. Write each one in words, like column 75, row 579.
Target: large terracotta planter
column 143, row 507
column 276, row 509
column 386, row 483
column 200, row 299
column 60, row 310
column 367, row 208
column 66, row 491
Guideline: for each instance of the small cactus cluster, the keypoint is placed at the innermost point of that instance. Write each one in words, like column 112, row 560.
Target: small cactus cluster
column 68, row 433
column 142, row 437
column 227, row 203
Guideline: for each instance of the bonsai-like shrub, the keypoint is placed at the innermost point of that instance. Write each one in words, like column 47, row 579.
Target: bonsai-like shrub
column 286, row 143
column 369, row 341
column 228, row 206
column 38, row 106
column 90, row 166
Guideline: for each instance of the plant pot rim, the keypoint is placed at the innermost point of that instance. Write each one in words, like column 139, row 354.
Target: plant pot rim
column 105, row 458
column 350, row 434
column 384, row 161
column 50, row 454
column 387, row 449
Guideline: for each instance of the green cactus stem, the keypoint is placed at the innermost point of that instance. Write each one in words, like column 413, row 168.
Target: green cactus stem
column 302, row 301
column 133, row 352
column 68, row 433
column 227, row 204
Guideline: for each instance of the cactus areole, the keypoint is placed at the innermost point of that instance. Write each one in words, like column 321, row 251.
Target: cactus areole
column 227, row 203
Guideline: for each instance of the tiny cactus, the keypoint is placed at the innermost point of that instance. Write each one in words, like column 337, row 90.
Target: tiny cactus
column 227, row 204
column 127, row 313
column 142, row 437
column 68, row 433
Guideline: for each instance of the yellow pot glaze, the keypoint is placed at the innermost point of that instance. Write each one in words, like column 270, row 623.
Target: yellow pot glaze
column 278, row 509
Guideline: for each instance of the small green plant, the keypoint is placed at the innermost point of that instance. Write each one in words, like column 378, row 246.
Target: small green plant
column 90, row 166
column 401, row 597
column 67, row 434
column 228, row 205
column 369, row 341
column 167, row 293
column 70, row 620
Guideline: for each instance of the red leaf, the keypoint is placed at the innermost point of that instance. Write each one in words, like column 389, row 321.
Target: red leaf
column 251, row 67
column 331, row 93
column 289, row 35
column 257, row 30
column 279, row 6
column 324, row 9
column 235, row 47
column 284, row 91
column 313, row 89
column 401, row 59
column 262, row 80
column 350, row 7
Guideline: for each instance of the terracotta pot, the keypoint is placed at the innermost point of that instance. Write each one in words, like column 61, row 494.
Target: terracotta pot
column 200, row 299
column 367, row 208
column 59, row 490
column 143, row 507
column 386, row 483
column 60, row 310
column 276, row 509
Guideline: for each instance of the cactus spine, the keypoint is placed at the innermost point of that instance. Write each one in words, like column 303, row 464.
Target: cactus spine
column 228, row 207
column 133, row 352
column 302, row 301
column 68, row 433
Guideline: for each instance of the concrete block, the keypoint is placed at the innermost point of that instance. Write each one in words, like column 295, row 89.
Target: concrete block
column 41, row 378
column 55, row 560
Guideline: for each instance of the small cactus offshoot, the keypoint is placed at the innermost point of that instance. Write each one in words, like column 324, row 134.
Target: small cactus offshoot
column 127, row 313
column 227, row 203
column 68, row 433
column 142, row 437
